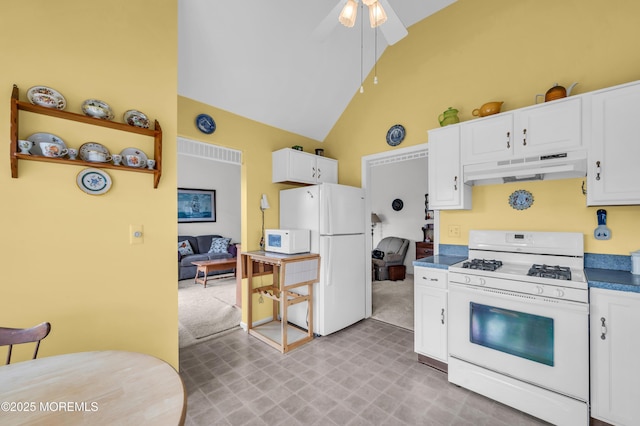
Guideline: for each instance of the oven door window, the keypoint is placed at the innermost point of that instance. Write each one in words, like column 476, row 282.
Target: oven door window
column 517, row 333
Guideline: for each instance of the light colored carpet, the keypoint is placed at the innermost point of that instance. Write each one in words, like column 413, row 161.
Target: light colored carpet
column 393, row 302
column 205, row 312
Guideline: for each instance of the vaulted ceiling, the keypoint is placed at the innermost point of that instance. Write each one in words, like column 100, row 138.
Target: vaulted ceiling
column 260, row 59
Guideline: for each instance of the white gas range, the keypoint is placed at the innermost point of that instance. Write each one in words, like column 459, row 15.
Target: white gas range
column 518, row 323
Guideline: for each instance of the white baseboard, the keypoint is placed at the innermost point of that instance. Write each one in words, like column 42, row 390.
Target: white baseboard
column 256, row 323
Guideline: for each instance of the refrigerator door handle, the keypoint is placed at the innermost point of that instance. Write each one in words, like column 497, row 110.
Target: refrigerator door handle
column 327, row 263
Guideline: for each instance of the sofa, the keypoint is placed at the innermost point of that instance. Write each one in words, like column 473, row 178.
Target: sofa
column 201, row 247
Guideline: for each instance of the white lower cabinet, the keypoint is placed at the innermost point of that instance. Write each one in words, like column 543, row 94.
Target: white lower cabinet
column 430, row 317
column 615, row 356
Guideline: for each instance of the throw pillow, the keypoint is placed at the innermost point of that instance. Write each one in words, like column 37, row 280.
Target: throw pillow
column 184, row 248
column 219, row 245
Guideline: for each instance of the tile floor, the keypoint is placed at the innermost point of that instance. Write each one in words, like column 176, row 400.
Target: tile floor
column 366, row 374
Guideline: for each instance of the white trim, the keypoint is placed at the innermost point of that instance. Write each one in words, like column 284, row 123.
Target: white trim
column 209, row 151
column 369, row 161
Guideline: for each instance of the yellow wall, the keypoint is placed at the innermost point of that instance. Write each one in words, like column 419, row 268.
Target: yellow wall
column 479, row 51
column 66, row 256
column 256, row 141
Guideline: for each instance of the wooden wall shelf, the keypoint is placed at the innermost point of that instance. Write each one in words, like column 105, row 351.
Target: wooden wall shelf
column 18, row 105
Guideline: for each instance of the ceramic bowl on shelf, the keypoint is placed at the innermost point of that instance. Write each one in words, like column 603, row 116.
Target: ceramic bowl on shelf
column 97, row 109
column 136, row 118
column 46, row 97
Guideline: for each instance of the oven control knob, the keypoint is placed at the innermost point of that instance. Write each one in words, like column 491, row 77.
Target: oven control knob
column 559, row 292
column 467, row 279
column 483, row 281
column 539, row 289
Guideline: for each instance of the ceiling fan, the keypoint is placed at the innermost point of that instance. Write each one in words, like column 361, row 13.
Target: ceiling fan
column 380, row 14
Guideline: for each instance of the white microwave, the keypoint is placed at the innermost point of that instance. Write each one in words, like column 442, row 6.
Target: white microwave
column 287, row 241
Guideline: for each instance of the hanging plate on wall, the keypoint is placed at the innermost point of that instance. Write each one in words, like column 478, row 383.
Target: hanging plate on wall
column 395, row 135
column 521, row 199
column 397, row 204
column 94, row 181
column 205, row 124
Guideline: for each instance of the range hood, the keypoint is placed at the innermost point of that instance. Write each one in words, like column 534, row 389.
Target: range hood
column 562, row 165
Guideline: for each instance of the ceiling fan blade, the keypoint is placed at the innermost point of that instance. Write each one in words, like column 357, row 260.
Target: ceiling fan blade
column 393, row 30
column 327, row 25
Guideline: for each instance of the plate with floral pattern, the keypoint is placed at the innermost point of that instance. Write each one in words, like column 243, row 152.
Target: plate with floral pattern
column 94, row 181
column 46, row 97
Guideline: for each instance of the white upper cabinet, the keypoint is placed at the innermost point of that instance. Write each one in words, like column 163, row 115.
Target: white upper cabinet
column 446, row 188
column 290, row 165
column 613, row 175
column 487, row 139
column 549, row 128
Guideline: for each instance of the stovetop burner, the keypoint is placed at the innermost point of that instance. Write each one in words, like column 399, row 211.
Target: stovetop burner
column 483, row 264
column 547, row 271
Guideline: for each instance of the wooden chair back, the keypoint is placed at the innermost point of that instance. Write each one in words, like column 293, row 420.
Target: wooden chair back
column 16, row 336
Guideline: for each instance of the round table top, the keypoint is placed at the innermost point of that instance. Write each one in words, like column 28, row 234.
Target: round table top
column 103, row 387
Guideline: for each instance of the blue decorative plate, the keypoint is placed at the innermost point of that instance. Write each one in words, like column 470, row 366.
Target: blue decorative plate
column 395, row 135
column 94, row 181
column 521, row 199
column 205, row 124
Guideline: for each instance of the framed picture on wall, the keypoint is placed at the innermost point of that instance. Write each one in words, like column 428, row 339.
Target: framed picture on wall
column 196, row 205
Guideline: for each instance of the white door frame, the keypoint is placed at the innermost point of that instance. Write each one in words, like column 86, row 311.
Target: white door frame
column 368, row 161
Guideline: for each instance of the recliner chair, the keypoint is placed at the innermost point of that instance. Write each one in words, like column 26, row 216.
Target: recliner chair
column 395, row 250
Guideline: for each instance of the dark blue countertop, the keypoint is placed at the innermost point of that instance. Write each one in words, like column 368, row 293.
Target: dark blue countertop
column 438, row 261
column 613, row 280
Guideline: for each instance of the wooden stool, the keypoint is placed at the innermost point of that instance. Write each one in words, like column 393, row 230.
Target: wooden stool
column 397, row 272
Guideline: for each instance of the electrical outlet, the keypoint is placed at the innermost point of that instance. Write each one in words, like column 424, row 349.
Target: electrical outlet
column 136, row 234
column 454, row 231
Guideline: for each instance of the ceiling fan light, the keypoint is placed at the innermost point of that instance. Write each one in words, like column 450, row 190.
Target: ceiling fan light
column 377, row 15
column 369, row 2
column 348, row 15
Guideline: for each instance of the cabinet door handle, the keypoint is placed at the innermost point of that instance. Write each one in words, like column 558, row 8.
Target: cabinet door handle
column 455, row 183
column 603, row 329
column 313, row 170
column 598, row 170
column 508, row 140
column 524, row 137
column 442, row 316
column 319, row 172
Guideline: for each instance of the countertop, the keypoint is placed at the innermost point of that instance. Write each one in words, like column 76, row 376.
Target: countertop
column 613, row 280
column 438, row 261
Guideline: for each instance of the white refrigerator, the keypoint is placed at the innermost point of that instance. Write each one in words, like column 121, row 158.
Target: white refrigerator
column 335, row 215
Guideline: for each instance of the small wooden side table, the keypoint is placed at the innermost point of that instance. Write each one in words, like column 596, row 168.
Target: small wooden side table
column 289, row 272
column 205, row 266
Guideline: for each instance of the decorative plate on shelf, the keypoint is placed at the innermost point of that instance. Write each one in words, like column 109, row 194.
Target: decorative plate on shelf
column 94, row 181
column 205, row 124
column 395, row 135
column 134, row 157
column 136, row 118
column 46, row 97
column 521, row 199
column 36, row 138
column 97, row 109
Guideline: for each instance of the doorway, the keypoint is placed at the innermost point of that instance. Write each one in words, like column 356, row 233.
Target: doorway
column 205, row 312
column 388, row 176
